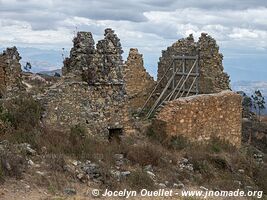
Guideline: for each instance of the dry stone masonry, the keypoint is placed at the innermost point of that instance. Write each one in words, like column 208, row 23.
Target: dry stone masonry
column 201, row 117
column 138, row 82
column 94, row 65
column 212, row 79
column 10, row 72
column 92, row 90
column 81, row 55
column 97, row 89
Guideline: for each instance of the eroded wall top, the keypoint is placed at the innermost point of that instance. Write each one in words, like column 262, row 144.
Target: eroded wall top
column 138, row 82
column 95, row 65
column 212, row 77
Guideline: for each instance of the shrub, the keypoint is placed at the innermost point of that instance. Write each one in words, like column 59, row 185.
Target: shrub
column 22, row 112
column 56, row 161
column 22, row 116
column 139, row 180
column 178, row 142
column 145, row 154
column 11, row 164
column 55, row 141
column 218, row 145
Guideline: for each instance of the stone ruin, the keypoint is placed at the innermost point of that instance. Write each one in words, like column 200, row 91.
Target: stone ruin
column 102, row 64
column 212, row 79
column 97, row 90
column 138, row 82
column 92, row 91
column 81, row 55
column 202, row 117
column 10, row 72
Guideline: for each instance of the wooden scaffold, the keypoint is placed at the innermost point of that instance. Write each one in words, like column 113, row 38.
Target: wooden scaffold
column 181, row 79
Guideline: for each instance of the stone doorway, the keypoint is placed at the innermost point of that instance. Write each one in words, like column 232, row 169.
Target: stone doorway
column 114, row 134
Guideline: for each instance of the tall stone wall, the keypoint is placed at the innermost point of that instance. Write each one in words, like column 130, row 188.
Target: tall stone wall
column 81, row 55
column 201, row 117
column 93, row 65
column 212, row 79
column 138, row 82
column 92, row 91
column 10, row 72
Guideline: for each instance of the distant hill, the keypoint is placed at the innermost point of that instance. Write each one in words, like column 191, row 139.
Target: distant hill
column 51, row 73
column 250, row 86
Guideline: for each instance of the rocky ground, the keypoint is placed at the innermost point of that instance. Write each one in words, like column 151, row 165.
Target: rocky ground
column 37, row 174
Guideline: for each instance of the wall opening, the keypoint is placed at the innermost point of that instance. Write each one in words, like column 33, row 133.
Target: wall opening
column 114, row 134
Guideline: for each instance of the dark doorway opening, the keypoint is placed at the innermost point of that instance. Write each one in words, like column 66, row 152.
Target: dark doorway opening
column 114, row 134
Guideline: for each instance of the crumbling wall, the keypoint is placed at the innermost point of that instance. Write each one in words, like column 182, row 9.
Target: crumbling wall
column 81, row 55
column 107, row 61
column 201, row 117
column 101, row 64
column 10, row 72
column 138, row 82
column 212, row 79
column 98, row 107
column 92, row 91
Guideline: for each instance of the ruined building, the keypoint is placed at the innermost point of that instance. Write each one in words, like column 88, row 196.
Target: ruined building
column 92, row 90
column 138, row 82
column 211, row 79
column 10, row 72
column 103, row 64
column 81, row 55
column 195, row 68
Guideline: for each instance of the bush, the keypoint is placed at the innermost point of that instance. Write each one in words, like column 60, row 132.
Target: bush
column 139, row 180
column 11, row 164
column 56, row 161
column 145, row 154
column 77, row 134
column 22, row 116
column 55, row 141
column 218, row 145
column 22, row 112
column 178, row 142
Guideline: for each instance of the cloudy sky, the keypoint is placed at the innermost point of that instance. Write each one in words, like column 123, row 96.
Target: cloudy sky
column 40, row 29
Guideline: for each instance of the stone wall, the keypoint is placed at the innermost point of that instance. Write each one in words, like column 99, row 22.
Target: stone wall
column 98, row 108
column 92, row 91
column 10, row 72
column 93, row 65
column 200, row 117
column 212, row 78
column 81, row 55
column 138, row 82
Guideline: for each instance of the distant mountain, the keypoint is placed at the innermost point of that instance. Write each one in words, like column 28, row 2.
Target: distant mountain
column 51, row 73
column 249, row 88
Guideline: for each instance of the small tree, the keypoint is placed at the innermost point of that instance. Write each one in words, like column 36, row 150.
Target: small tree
column 27, row 66
column 246, row 102
column 258, row 102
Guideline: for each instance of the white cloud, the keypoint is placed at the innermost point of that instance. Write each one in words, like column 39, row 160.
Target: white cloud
column 148, row 25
